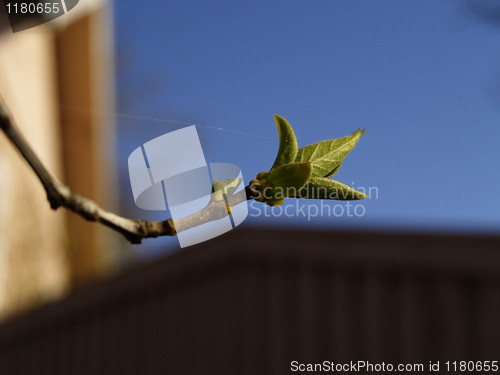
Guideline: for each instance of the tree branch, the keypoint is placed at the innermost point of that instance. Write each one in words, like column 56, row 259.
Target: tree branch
column 60, row 195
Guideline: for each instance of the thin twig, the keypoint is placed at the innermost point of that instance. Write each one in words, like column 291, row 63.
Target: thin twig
column 60, row 195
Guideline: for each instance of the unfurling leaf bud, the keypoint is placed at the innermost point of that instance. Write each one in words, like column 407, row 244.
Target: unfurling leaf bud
column 262, row 175
column 291, row 175
column 288, row 143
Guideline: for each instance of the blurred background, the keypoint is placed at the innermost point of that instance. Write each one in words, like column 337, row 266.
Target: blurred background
column 58, row 80
column 423, row 78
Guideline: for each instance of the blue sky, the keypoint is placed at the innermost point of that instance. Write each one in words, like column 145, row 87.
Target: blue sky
column 420, row 76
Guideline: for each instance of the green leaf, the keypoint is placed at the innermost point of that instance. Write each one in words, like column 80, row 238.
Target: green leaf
column 327, row 156
column 292, row 175
column 334, row 171
column 288, row 143
column 323, row 188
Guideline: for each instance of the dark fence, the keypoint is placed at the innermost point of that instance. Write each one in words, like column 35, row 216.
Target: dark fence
column 254, row 301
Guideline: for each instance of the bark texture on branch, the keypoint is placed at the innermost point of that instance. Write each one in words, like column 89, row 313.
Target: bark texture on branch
column 134, row 230
column 60, row 195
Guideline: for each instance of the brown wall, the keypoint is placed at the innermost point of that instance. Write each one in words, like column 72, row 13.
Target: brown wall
column 57, row 80
column 32, row 236
column 77, row 133
column 87, row 134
